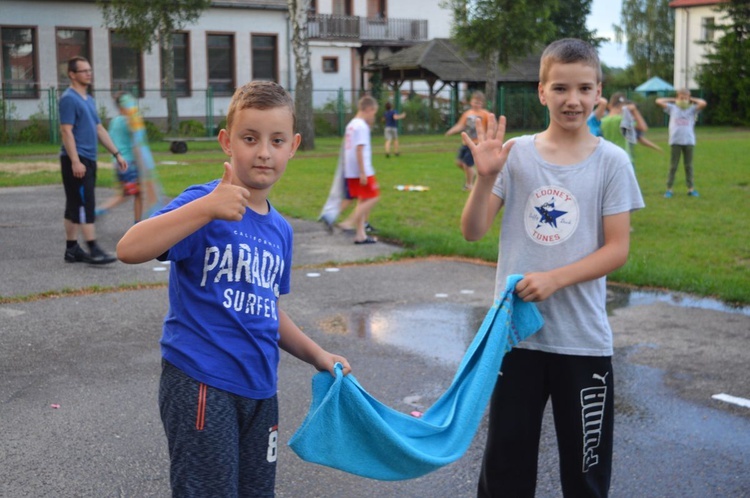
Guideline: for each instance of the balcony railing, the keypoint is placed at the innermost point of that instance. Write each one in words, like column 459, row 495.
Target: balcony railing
column 363, row 29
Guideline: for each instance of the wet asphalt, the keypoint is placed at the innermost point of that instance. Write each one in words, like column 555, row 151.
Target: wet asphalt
column 79, row 367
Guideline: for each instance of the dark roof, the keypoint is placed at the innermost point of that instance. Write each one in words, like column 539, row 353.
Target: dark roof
column 694, row 3
column 441, row 59
column 252, row 4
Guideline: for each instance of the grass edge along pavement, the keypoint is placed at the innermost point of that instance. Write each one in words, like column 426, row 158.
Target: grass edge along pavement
column 697, row 246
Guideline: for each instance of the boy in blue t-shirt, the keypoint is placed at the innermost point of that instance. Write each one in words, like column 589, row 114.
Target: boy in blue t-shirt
column 231, row 255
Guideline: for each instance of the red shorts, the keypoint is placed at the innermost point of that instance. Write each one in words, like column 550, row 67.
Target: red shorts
column 359, row 191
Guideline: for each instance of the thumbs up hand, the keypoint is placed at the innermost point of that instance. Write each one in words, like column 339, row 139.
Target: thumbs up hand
column 228, row 201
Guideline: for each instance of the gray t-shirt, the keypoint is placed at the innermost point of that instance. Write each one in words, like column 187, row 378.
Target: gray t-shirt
column 681, row 124
column 552, row 217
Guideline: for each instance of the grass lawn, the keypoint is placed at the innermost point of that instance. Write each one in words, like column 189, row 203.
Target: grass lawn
column 700, row 246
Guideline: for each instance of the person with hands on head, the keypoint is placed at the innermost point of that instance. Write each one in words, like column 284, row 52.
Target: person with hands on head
column 683, row 110
column 80, row 130
column 566, row 197
column 231, row 260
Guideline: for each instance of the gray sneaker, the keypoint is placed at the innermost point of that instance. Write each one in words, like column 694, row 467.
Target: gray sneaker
column 99, row 257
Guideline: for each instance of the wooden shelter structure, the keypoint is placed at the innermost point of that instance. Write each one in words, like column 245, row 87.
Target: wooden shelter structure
column 441, row 62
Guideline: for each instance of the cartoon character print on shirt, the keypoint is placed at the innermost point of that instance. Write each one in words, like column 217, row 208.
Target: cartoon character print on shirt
column 551, row 215
column 249, row 274
column 471, row 125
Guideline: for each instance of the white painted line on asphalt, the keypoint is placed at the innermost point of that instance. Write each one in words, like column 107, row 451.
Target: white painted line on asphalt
column 332, row 270
column 467, row 291
column 10, row 313
column 441, row 295
column 732, row 399
column 313, row 275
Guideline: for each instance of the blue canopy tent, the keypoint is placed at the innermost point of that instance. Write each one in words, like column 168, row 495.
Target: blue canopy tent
column 654, row 85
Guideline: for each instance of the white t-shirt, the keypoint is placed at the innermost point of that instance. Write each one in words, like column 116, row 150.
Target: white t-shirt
column 681, row 124
column 552, row 217
column 357, row 133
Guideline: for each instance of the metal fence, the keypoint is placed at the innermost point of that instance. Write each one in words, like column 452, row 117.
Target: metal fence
column 201, row 114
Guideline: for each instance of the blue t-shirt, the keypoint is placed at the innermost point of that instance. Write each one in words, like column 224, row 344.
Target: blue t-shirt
column 222, row 327
column 123, row 140
column 81, row 113
column 390, row 121
column 595, row 125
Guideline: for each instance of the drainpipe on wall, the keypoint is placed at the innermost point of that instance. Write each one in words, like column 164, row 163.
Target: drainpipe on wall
column 288, row 53
column 687, row 48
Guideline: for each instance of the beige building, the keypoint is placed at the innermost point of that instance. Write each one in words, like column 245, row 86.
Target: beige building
column 695, row 22
column 233, row 41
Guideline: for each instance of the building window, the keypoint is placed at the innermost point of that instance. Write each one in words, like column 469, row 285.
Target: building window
column 221, row 63
column 376, row 9
column 342, row 8
column 181, row 54
column 70, row 43
column 19, row 63
column 127, row 69
column 708, row 27
column 330, row 64
column 313, row 8
column 264, row 57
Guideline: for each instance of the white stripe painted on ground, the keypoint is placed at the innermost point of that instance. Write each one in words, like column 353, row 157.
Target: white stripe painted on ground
column 9, row 312
column 732, row 399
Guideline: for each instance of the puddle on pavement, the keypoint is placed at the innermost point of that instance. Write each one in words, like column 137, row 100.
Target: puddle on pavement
column 443, row 331
column 619, row 297
column 440, row 331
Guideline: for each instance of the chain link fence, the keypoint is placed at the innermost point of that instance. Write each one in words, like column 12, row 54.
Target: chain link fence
column 202, row 113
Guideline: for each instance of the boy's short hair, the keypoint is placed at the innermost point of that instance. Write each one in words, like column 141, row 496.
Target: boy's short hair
column 366, row 102
column 617, row 99
column 684, row 91
column 479, row 96
column 260, row 95
column 388, row 106
column 73, row 62
column 569, row 51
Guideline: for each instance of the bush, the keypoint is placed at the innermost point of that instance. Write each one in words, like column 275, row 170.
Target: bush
column 35, row 133
column 192, row 128
column 219, row 126
column 153, row 132
column 324, row 124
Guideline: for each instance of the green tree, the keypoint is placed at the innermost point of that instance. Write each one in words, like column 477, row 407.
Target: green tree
column 154, row 22
column 500, row 31
column 725, row 76
column 648, row 26
column 569, row 19
column 303, row 88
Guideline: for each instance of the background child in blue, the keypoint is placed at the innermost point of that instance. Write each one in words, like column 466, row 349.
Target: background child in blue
column 390, row 131
column 231, row 255
column 128, row 179
column 567, row 197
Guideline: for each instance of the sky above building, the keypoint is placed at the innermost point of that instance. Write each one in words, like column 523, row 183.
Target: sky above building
column 605, row 13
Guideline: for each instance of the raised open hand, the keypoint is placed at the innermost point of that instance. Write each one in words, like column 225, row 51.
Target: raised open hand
column 490, row 153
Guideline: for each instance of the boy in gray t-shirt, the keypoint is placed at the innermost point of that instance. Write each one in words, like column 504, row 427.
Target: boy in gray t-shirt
column 683, row 111
column 567, row 197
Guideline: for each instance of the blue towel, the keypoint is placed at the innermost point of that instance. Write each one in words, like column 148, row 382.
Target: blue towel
column 347, row 429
